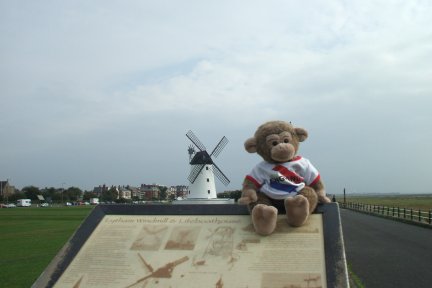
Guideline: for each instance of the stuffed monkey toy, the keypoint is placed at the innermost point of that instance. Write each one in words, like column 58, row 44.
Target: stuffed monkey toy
column 282, row 181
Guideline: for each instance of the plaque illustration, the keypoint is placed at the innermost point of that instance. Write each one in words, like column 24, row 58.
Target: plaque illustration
column 291, row 280
column 150, row 238
column 183, row 238
column 220, row 244
column 162, row 272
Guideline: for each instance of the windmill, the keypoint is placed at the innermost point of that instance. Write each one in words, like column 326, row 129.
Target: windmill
column 203, row 169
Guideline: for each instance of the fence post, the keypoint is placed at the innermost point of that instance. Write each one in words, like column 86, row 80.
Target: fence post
column 430, row 217
column 419, row 214
column 411, row 214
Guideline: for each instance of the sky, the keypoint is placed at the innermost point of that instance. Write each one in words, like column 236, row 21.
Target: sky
column 103, row 92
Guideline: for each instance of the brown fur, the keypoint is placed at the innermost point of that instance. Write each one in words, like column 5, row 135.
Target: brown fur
column 278, row 142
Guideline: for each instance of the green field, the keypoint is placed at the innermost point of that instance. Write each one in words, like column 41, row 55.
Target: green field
column 31, row 237
column 416, row 202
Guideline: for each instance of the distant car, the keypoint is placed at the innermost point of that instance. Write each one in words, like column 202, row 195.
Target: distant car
column 68, row 204
column 44, row 205
column 10, row 205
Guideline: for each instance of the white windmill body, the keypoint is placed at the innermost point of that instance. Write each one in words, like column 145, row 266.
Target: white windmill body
column 204, row 186
column 203, row 170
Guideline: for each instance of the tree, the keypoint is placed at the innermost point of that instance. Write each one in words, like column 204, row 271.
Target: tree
column 51, row 194
column 31, row 192
column 236, row 194
column 123, row 200
column 109, row 195
column 14, row 197
column 72, row 194
column 88, row 195
column 163, row 192
column 172, row 197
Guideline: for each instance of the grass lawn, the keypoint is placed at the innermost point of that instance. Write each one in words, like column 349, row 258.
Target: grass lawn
column 31, row 237
column 416, row 202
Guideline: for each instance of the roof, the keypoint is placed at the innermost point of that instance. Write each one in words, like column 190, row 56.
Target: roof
column 200, row 158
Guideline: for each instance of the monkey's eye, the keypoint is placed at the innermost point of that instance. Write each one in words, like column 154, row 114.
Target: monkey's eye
column 286, row 140
column 274, row 143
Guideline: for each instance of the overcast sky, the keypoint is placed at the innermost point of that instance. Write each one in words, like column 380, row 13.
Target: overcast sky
column 103, row 92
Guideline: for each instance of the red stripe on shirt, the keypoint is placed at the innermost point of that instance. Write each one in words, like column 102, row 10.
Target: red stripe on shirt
column 315, row 180
column 298, row 157
column 290, row 175
column 254, row 181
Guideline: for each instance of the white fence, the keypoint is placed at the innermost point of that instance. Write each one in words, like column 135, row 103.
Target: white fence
column 407, row 214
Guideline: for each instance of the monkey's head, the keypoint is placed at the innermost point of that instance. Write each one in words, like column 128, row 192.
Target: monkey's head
column 276, row 141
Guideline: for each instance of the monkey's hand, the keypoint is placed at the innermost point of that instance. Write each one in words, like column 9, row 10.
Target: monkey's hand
column 248, row 196
column 323, row 199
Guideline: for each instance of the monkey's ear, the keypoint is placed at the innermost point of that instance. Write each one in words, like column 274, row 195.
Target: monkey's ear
column 250, row 145
column 301, row 133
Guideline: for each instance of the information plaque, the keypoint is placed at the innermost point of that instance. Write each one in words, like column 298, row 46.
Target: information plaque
column 198, row 246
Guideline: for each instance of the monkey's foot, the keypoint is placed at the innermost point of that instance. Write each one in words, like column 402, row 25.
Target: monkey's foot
column 264, row 219
column 297, row 210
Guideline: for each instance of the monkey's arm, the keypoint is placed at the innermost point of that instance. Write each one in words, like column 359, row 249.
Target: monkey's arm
column 248, row 192
column 320, row 190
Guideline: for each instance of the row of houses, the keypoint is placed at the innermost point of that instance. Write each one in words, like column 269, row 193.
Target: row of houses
column 144, row 192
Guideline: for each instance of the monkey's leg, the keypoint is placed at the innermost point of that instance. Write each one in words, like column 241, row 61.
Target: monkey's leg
column 264, row 218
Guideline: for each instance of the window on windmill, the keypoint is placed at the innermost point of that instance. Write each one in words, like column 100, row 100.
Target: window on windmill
column 208, row 180
column 206, row 168
column 208, row 191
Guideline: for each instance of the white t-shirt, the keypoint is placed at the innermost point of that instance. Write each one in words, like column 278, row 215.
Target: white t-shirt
column 286, row 179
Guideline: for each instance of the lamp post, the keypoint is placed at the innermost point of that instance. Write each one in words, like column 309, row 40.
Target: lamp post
column 7, row 190
column 62, row 192
column 344, row 197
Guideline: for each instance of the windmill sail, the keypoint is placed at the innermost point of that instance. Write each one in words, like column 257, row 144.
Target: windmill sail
column 219, row 147
column 195, row 140
column 221, row 176
column 195, row 172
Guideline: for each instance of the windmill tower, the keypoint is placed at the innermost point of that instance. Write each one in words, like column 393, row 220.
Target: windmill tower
column 201, row 178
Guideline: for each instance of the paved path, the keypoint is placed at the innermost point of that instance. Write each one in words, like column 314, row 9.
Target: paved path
column 386, row 253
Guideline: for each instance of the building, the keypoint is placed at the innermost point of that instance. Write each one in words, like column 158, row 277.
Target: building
column 150, row 192
column 98, row 191
column 146, row 192
column 6, row 189
column 124, row 192
column 181, row 191
column 135, row 192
